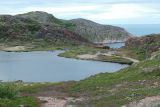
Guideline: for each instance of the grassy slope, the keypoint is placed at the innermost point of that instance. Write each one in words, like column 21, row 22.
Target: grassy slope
column 120, row 88
column 111, row 89
column 9, row 96
column 15, row 102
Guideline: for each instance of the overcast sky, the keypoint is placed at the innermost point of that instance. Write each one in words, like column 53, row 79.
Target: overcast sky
column 101, row 11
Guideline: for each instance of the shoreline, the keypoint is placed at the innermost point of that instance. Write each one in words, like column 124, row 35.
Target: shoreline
column 95, row 58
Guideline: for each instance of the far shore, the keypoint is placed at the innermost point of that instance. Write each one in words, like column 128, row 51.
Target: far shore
column 104, row 57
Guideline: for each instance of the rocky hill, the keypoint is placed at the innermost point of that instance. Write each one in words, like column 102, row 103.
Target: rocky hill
column 48, row 19
column 41, row 17
column 92, row 31
column 99, row 33
column 26, row 29
column 145, row 45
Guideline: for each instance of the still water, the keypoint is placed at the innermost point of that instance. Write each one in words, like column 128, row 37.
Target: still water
column 48, row 67
column 116, row 45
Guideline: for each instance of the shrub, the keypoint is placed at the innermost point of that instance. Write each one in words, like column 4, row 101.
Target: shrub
column 8, row 90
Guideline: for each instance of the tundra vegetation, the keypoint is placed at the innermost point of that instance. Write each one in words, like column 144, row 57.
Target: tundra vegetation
column 131, row 84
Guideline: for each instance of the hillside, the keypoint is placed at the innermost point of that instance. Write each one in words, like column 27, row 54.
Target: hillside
column 144, row 46
column 15, row 28
column 41, row 17
column 47, row 19
column 100, row 33
column 92, row 31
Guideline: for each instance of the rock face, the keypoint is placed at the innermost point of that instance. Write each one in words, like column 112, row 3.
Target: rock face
column 100, row 33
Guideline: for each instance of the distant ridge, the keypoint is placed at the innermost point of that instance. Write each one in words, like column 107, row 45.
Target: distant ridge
column 100, row 33
column 90, row 30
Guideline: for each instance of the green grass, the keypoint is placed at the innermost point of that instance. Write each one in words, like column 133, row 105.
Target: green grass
column 110, row 89
column 119, row 88
column 107, row 89
column 74, row 51
column 9, row 96
column 15, row 102
column 8, row 90
column 35, row 87
column 133, row 53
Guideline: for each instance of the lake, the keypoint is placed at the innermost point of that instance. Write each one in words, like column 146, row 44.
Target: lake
column 48, row 67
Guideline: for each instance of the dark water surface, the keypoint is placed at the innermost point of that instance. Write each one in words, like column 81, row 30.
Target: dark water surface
column 48, row 67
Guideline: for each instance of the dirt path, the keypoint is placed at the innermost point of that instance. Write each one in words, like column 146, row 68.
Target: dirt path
column 147, row 102
column 52, row 102
column 94, row 56
column 87, row 56
column 131, row 59
column 14, row 48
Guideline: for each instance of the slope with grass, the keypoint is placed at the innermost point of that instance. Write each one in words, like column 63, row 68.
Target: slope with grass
column 117, row 89
column 9, row 97
column 17, row 31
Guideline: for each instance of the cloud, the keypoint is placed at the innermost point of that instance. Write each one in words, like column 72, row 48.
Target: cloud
column 103, row 11
column 123, row 11
column 64, row 9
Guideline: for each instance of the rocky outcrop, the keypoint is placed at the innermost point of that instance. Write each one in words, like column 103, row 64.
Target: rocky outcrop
column 147, row 44
column 146, row 102
column 155, row 55
column 100, row 33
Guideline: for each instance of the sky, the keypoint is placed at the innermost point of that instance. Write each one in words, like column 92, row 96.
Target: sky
column 100, row 11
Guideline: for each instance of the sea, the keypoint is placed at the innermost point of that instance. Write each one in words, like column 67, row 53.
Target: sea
column 137, row 30
column 141, row 29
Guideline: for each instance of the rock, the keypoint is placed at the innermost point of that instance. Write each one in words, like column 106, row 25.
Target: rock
column 151, row 69
column 147, row 102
